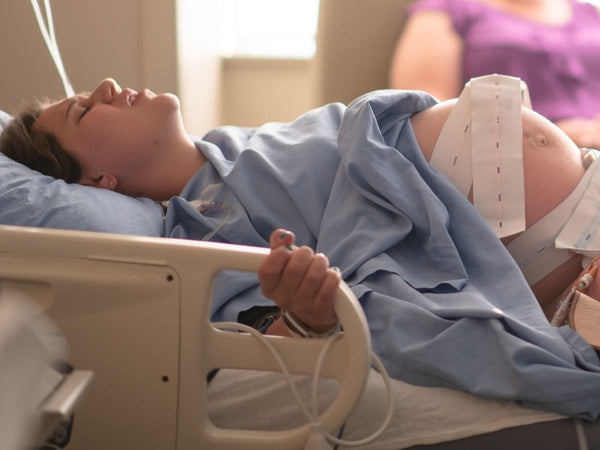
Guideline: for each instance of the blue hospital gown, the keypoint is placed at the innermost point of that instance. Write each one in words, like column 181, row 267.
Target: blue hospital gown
column 446, row 304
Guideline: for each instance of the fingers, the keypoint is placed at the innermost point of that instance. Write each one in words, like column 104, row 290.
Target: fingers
column 300, row 280
column 308, row 283
column 284, row 272
column 281, row 237
column 318, row 313
column 271, row 269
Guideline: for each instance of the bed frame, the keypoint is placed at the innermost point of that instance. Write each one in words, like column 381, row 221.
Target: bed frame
column 135, row 311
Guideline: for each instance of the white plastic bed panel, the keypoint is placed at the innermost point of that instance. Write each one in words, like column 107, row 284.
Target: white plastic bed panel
column 135, row 312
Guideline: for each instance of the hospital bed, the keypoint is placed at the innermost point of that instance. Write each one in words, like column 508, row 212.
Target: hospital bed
column 135, row 312
column 134, row 309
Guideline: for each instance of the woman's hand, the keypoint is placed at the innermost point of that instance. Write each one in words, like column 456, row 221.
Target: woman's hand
column 299, row 281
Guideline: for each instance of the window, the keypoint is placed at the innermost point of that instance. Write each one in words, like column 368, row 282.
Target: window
column 269, row 28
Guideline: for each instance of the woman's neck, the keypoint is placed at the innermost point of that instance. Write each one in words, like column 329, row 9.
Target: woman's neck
column 166, row 175
column 181, row 166
column 549, row 12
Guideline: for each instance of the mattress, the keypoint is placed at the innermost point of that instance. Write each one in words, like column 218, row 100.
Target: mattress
column 422, row 416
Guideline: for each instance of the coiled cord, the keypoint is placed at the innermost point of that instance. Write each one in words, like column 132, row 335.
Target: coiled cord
column 318, row 436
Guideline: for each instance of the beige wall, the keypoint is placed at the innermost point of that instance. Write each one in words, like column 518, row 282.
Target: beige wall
column 97, row 39
column 199, row 64
column 256, row 91
column 138, row 43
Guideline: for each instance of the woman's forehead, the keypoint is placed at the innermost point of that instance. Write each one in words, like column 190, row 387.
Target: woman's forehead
column 54, row 114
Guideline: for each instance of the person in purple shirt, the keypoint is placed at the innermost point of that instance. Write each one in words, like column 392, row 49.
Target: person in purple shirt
column 553, row 45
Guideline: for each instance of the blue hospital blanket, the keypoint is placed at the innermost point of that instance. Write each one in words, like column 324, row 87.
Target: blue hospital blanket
column 446, row 304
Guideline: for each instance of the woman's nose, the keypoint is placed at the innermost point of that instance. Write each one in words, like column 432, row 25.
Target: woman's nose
column 105, row 92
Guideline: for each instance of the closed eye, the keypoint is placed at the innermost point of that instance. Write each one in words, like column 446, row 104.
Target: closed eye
column 85, row 111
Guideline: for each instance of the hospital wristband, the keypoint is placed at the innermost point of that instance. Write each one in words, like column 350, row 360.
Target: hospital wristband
column 297, row 328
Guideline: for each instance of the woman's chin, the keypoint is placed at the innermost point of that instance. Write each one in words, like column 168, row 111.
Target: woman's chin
column 169, row 100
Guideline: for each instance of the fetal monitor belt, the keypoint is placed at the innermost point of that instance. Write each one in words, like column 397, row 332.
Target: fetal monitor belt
column 581, row 232
column 480, row 147
column 572, row 226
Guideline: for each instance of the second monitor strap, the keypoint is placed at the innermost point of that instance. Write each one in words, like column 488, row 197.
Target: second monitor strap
column 480, row 147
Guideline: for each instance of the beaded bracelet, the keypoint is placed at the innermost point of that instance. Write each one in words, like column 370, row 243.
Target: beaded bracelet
column 297, row 328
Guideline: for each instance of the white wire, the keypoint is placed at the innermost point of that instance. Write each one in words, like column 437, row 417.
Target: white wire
column 210, row 235
column 388, row 417
column 50, row 20
column 50, row 40
column 313, row 417
column 580, row 433
column 276, row 355
column 52, row 446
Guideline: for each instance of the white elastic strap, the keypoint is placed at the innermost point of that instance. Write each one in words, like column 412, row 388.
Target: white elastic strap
column 497, row 155
column 581, row 233
column 480, row 145
column 535, row 250
column 50, row 40
column 525, row 99
column 452, row 152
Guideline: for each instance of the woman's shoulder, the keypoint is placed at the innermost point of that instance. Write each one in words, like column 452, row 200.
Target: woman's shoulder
column 462, row 13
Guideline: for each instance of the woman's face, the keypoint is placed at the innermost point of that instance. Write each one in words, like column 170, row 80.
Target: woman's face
column 114, row 130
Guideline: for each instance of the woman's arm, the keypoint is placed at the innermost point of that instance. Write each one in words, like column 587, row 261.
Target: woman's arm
column 584, row 132
column 428, row 56
column 301, row 282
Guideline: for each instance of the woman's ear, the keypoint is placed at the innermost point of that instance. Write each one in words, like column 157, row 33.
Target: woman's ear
column 101, row 180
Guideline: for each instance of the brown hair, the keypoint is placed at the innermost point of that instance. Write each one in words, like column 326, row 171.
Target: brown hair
column 38, row 149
